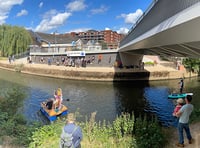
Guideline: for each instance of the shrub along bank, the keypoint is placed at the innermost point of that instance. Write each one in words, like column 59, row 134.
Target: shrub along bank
column 124, row 132
column 13, row 127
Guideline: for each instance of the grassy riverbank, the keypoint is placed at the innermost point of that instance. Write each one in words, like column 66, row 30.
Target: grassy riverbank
column 124, row 132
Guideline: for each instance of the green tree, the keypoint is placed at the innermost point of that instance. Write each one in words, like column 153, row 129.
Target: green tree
column 13, row 40
column 192, row 64
column 104, row 45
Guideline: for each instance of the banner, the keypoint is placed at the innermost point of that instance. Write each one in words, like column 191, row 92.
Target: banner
column 75, row 53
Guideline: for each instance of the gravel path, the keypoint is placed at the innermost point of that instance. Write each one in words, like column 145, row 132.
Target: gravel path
column 195, row 131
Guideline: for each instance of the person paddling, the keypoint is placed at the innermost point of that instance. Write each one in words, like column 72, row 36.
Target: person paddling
column 181, row 84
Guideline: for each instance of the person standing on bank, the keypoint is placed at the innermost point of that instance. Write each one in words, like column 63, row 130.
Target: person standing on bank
column 71, row 135
column 184, row 114
column 181, row 84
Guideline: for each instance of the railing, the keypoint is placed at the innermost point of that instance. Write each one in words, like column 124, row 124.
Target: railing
column 142, row 16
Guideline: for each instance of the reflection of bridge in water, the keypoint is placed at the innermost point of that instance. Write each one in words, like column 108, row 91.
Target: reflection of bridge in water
column 167, row 28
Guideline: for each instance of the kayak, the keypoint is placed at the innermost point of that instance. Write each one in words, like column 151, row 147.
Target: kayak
column 176, row 96
column 52, row 113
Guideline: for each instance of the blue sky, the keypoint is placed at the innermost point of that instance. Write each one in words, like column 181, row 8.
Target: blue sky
column 64, row 16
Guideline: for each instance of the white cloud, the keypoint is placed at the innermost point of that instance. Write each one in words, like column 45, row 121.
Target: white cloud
column 123, row 30
column 59, row 19
column 41, row 4
column 5, row 7
column 102, row 9
column 107, row 28
column 131, row 18
column 2, row 18
column 22, row 12
column 52, row 20
column 50, row 13
column 76, row 5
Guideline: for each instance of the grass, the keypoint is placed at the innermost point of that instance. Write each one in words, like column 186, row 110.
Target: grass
column 3, row 58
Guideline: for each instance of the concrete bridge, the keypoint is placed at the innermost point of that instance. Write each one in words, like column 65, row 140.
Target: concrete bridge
column 169, row 28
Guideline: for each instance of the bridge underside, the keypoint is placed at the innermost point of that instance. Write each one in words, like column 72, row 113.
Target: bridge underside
column 177, row 36
column 182, row 40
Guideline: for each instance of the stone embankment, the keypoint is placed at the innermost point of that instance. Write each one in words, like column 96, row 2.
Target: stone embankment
column 157, row 72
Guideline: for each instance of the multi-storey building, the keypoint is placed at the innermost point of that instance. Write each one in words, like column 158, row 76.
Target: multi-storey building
column 108, row 38
column 90, row 40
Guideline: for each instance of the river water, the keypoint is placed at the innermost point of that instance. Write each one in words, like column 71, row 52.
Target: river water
column 108, row 99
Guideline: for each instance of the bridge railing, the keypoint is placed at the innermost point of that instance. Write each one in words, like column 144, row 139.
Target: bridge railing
column 142, row 16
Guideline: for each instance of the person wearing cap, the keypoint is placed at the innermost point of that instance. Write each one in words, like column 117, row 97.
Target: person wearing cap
column 75, row 130
column 178, row 106
column 183, row 124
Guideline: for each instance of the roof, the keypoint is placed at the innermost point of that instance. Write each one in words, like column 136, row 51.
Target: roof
column 39, row 37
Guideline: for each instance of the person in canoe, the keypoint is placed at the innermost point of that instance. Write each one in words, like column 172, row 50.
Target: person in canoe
column 58, row 97
column 50, row 104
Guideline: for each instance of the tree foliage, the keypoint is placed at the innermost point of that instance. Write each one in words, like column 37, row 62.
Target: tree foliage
column 192, row 64
column 12, row 122
column 13, row 40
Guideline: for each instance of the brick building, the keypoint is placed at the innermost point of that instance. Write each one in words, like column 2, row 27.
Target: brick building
column 108, row 38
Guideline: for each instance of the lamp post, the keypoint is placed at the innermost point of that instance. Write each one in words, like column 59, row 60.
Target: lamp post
column 54, row 41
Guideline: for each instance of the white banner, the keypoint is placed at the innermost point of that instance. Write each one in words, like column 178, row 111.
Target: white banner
column 75, row 53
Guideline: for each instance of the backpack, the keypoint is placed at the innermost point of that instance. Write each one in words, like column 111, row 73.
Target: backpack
column 66, row 139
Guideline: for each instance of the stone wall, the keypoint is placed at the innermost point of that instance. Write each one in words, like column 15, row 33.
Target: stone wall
column 98, row 75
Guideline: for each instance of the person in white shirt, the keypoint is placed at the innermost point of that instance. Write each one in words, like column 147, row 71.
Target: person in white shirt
column 184, row 115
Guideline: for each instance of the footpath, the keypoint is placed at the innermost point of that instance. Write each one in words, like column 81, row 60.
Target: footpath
column 195, row 132
column 157, row 72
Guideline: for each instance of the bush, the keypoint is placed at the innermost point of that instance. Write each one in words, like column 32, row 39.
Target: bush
column 12, row 124
column 149, row 63
column 195, row 116
column 122, row 133
column 149, row 133
column 96, row 134
column 46, row 136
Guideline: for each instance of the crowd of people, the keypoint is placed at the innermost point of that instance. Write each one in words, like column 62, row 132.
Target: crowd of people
column 69, row 61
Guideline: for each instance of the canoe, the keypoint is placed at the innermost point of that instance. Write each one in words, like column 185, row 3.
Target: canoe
column 52, row 113
column 176, row 96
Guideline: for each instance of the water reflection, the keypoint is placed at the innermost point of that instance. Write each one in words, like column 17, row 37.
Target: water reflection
column 159, row 104
column 130, row 96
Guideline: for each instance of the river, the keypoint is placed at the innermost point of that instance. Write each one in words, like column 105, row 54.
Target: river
column 108, row 99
